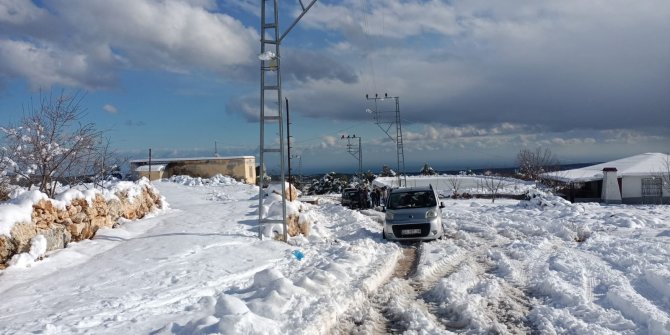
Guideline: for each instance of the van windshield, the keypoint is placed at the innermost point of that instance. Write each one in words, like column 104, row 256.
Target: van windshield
column 415, row 199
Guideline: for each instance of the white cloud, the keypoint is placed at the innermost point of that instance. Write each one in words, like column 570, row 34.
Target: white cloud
column 45, row 65
column 85, row 42
column 394, row 19
column 565, row 64
column 440, row 133
column 19, row 11
column 328, row 141
column 109, row 109
column 630, row 136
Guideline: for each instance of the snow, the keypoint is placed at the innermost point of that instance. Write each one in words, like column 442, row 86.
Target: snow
column 541, row 265
column 152, row 167
column 267, row 55
column 198, row 181
column 20, row 207
column 38, row 247
column 647, row 164
column 465, row 184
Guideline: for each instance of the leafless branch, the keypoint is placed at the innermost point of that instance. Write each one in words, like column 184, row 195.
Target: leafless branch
column 664, row 174
column 51, row 145
column 532, row 164
column 455, row 183
column 492, row 183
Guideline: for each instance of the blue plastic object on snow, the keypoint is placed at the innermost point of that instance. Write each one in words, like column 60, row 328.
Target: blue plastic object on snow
column 298, row 255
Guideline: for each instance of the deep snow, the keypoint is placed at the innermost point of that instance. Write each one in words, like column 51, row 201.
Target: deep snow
column 543, row 266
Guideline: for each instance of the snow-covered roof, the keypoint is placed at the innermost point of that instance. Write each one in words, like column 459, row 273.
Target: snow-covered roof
column 166, row 160
column 153, row 167
column 646, row 164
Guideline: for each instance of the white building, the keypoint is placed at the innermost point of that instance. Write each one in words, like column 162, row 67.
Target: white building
column 643, row 178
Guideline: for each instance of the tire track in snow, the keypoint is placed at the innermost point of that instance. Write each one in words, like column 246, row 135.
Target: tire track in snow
column 472, row 297
column 408, row 302
column 395, row 306
column 403, row 294
column 620, row 293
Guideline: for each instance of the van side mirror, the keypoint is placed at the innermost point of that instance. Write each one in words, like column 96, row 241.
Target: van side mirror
column 441, row 204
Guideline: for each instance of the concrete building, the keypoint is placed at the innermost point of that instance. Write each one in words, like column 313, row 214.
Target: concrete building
column 639, row 179
column 242, row 168
column 152, row 172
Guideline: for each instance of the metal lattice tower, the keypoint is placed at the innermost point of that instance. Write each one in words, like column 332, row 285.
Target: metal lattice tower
column 385, row 123
column 355, row 151
column 271, row 86
column 399, row 146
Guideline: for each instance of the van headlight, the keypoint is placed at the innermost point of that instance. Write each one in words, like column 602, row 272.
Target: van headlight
column 389, row 216
column 431, row 214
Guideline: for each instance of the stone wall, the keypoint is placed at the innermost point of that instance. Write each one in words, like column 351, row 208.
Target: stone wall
column 78, row 221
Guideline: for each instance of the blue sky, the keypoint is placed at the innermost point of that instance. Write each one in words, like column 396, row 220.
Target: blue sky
column 477, row 80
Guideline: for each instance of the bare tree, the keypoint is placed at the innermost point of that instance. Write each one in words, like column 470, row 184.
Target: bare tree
column 51, row 143
column 664, row 174
column 455, row 183
column 532, row 164
column 103, row 164
column 5, row 167
column 492, row 184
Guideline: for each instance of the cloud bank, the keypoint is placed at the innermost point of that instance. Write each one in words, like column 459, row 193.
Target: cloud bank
column 84, row 43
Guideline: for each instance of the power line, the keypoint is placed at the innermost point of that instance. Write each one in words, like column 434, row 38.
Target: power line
column 369, row 45
column 337, row 132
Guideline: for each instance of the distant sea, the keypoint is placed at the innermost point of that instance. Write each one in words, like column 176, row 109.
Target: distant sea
column 506, row 171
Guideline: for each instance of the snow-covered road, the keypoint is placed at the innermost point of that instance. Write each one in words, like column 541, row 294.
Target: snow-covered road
column 541, row 266
column 544, row 266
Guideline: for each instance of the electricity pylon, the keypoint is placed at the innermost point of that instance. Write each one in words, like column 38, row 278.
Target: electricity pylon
column 385, row 123
column 355, row 151
column 271, row 83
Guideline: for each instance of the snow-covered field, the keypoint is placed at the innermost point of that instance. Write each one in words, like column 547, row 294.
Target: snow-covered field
column 541, row 266
column 475, row 184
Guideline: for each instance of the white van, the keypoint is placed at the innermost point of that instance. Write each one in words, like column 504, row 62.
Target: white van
column 413, row 213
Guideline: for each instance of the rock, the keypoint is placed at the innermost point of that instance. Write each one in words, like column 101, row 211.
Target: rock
column 98, row 222
column 292, row 223
column 22, row 234
column 57, row 237
column 76, row 231
column 7, row 249
column 291, row 192
column 78, row 218
column 78, row 221
column 44, row 214
column 114, row 209
column 305, row 225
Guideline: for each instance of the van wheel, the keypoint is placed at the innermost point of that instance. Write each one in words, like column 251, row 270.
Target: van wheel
column 383, row 235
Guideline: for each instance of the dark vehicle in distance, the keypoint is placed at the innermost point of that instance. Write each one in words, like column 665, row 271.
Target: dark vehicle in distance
column 350, row 197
